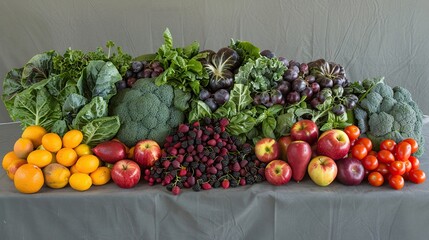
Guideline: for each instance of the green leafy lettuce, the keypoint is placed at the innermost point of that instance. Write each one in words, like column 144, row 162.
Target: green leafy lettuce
column 183, row 70
column 40, row 94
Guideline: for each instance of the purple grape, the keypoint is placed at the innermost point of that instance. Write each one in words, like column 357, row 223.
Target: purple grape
column 338, row 109
column 293, row 97
column 290, row 75
column 221, row 96
column 211, row 103
column 298, row 85
column 265, row 98
column 136, row 66
column 284, row 87
column 147, row 72
column 204, row 94
column 308, row 91
column 284, row 61
column 277, row 97
column 326, row 82
column 303, row 68
column 310, row 79
column 315, row 87
column 121, row 85
column 267, row 53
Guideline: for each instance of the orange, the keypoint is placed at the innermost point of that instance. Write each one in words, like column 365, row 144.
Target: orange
column 56, row 175
column 28, row 178
column 8, row 158
column 87, row 164
column 100, row 176
column 66, row 157
column 72, row 138
column 40, row 158
column 83, row 149
column 52, row 142
column 80, row 181
column 131, row 152
column 23, row 147
column 73, row 169
column 13, row 166
column 35, row 134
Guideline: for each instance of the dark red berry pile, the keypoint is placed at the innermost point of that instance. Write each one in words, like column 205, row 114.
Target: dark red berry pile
column 201, row 156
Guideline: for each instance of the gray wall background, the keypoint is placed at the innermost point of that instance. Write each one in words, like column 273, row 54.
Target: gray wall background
column 369, row 38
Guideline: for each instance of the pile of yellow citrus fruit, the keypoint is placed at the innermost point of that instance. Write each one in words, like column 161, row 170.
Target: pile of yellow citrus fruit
column 44, row 158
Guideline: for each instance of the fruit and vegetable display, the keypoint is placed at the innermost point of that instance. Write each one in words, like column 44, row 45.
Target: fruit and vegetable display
column 197, row 119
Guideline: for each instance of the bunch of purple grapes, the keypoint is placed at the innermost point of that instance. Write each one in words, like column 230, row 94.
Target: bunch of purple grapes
column 201, row 156
column 138, row 70
column 315, row 81
column 297, row 82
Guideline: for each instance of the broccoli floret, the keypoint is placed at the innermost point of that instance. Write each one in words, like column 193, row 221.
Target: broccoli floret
column 405, row 116
column 371, row 102
column 401, row 94
column 387, row 104
column 380, row 123
column 384, row 90
column 396, row 117
column 361, row 118
column 146, row 111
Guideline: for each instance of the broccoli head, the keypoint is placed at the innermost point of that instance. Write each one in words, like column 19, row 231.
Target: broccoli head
column 371, row 102
column 391, row 113
column 147, row 111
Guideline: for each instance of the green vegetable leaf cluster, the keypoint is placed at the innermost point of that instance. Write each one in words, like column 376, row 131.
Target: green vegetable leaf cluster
column 182, row 68
column 62, row 92
column 73, row 61
column 261, row 74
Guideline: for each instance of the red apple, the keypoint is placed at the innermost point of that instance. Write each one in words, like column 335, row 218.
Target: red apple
column 146, row 153
column 305, row 130
column 298, row 155
column 126, row 173
column 350, row 171
column 284, row 142
column 322, row 170
column 267, row 149
column 333, row 143
column 278, row 172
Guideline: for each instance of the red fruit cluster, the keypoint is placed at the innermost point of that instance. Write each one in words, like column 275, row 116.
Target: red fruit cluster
column 393, row 163
column 202, row 156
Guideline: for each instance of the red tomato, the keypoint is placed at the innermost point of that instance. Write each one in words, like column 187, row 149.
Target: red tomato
column 415, row 163
column 413, row 143
column 397, row 168
column 375, row 179
column 366, row 142
column 373, row 153
column 396, row 182
column 388, row 145
column 359, row 151
column 403, row 151
column 353, row 132
column 382, row 168
column 385, row 156
column 417, row 176
column 408, row 165
column 370, row 162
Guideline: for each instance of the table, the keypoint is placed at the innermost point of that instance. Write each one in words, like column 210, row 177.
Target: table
column 261, row 211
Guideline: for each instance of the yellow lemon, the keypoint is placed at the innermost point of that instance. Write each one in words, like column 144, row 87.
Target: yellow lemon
column 80, row 181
